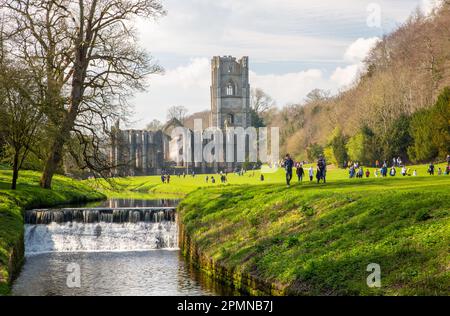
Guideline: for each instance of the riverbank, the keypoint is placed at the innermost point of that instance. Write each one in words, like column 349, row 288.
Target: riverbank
column 30, row 195
column 319, row 239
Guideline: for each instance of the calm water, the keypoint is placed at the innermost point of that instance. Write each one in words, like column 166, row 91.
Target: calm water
column 156, row 272
column 118, row 272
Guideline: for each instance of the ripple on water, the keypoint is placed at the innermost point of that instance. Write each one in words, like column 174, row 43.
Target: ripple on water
column 157, row 272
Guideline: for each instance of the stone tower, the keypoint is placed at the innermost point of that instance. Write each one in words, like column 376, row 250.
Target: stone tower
column 230, row 92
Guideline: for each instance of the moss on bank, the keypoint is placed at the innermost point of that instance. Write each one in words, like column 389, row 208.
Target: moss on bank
column 319, row 239
column 29, row 195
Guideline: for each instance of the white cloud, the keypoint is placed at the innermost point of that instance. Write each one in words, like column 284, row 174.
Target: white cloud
column 355, row 54
column 266, row 30
column 428, row 6
column 186, row 85
column 189, row 85
column 290, row 87
column 293, row 87
column 294, row 46
column 345, row 76
column 359, row 49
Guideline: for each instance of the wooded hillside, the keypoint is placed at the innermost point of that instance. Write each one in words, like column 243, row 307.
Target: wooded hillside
column 391, row 111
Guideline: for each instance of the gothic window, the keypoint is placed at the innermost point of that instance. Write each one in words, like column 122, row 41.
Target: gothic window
column 230, row 89
column 231, row 119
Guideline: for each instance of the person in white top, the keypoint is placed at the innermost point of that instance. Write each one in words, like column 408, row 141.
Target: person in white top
column 404, row 171
column 311, row 173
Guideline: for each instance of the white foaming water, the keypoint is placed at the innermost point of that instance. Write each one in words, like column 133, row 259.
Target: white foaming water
column 102, row 236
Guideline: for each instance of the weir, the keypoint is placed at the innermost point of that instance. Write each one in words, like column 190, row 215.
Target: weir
column 100, row 229
column 95, row 215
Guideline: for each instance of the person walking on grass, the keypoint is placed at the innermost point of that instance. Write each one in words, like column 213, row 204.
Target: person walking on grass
column 300, row 172
column 311, row 173
column 367, row 173
column 288, row 163
column 404, row 171
column 392, row 172
column 360, row 173
column 384, row 170
column 321, row 169
column 431, row 169
column 351, row 172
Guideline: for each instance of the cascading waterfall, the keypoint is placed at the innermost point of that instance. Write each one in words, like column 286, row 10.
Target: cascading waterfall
column 122, row 229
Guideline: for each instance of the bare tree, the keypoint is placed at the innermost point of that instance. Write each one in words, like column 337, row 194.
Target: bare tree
column 260, row 101
column 20, row 116
column 178, row 112
column 92, row 63
column 317, row 95
column 154, row 125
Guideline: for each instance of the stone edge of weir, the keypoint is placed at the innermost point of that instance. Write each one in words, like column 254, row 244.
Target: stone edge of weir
column 244, row 282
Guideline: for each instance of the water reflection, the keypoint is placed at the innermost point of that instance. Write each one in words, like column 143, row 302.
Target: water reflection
column 154, row 272
column 157, row 272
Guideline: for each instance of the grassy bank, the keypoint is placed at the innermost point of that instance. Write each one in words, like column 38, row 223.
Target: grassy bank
column 319, row 239
column 30, row 195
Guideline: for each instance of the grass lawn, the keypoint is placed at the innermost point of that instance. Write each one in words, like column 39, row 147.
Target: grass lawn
column 30, row 195
column 319, row 239
column 314, row 239
column 151, row 187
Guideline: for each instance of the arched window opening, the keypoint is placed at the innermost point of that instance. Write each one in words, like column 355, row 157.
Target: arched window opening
column 230, row 89
column 231, row 119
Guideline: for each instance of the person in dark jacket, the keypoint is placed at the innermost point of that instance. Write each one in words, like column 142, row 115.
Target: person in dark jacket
column 300, row 172
column 288, row 164
column 321, row 169
column 431, row 169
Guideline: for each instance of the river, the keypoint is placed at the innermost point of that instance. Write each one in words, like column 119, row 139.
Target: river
column 94, row 257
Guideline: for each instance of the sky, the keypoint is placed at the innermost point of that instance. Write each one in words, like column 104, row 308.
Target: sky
column 294, row 46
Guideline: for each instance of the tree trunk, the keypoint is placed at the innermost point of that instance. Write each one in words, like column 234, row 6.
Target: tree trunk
column 52, row 162
column 69, row 120
column 56, row 153
column 15, row 171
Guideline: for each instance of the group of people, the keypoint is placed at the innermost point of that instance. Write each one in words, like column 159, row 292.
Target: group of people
column 165, row 178
column 223, row 176
column 288, row 164
column 440, row 172
column 357, row 171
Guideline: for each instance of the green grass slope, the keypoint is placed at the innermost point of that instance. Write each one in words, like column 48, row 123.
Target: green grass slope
column 151, row 187
column 30, row 195
column 319, row 239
